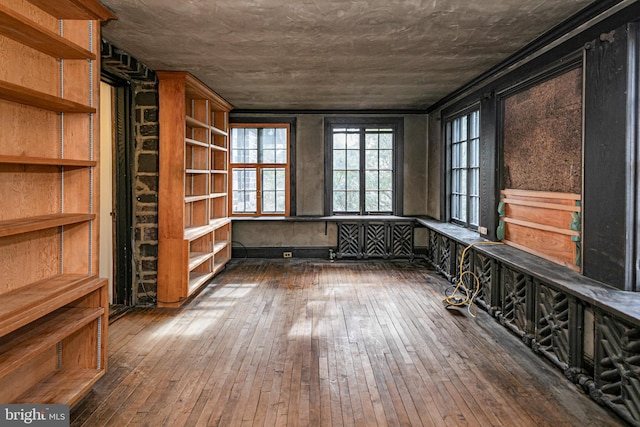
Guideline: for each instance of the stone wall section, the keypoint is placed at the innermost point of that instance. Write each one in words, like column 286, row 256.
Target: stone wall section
column 145, row 166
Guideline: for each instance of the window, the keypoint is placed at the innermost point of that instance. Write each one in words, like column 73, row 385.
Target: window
column 259, row 167
column 463, row 138
column 362, row 160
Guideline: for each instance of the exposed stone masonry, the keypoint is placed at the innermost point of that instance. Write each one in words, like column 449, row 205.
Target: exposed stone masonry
column 145, row 168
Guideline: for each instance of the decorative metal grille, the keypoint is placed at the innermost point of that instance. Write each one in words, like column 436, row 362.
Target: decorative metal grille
column 402, row 239
column 514, row 300
column 618, row 365
column 349, row 240
column 444, row 261
column 375, row 240
column 466, row 266
column 433, row 247
column 483, row 268
column 552, row 331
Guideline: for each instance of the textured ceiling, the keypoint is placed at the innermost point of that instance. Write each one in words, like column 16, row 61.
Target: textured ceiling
column 331, row 54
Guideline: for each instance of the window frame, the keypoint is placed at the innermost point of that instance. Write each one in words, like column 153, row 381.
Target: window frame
column 468, row 139
column 397, row 126
column 248, row 123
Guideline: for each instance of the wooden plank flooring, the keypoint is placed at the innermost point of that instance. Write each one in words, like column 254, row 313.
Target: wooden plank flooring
column 319, row 343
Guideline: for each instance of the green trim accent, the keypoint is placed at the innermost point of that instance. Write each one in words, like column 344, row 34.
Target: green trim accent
column 501, row 230
column 576, row 225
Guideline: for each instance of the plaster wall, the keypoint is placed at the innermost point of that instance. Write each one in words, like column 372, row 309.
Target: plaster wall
column 434, row 174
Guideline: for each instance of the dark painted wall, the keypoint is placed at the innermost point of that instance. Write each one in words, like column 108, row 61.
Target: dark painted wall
column 608, row 138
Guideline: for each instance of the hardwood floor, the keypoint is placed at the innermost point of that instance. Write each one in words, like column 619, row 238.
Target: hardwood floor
column 316, row 343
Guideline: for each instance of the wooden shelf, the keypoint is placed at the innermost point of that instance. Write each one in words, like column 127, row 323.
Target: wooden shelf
column 35, row 223
column 67, row 385
column 190, row 114
column 219, row 246
column 196, row 171
column 192, row 233
column 218, row 148
column 198, row 279
column 18, row 348
column 217, row 223
column 27, row 32
column 190, row 141
column 219, row 264
column 191, row 199
column 74, row 9
column 24, row 305
column 193, row 123
column 217, row 131
column 197, row 258
column 22, row 95
column 45, row 161
column 53, row 327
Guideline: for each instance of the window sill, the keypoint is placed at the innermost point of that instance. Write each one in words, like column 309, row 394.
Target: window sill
column 331, row 218
column 625, row 304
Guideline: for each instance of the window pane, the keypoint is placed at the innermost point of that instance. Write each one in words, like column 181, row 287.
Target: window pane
column 353, row 201
column 455, row 181
column 455, row 156
column 455, row 207
column 371, row 159
column 371, row 180
column 463, row 128
column 339, row 159
column 339, row 180
column 386, row 141
column 463, row 181
column 463, row 209
column 339, row 201
column 371, row 201
column 386, row 180
column 353, row 180
column 280, row 179
column 268, row 180
column 268, row 137
column 474, row 210
column 386, row 159
column 353, row 141
column 463, row 156
column 473, row 182
column 273, row 195
column 371, row 141
column 339, row 141
column 268, row 156
column 475, row 152
column 251, row 138
column 475, row 125
column 268, row 201
column 244, row 190
column 281, row 156
column 386, row 201
column 281, row 138
column 353, row 159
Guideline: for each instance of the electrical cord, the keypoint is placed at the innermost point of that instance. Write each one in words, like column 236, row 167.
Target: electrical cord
column 461, row 294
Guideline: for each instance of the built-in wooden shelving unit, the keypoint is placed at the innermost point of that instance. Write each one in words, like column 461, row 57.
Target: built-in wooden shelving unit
column 194, row 229
column 53, row 307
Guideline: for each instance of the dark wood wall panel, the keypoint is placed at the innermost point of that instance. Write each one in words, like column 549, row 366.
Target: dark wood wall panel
column 605, row 199
column 543, row 136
